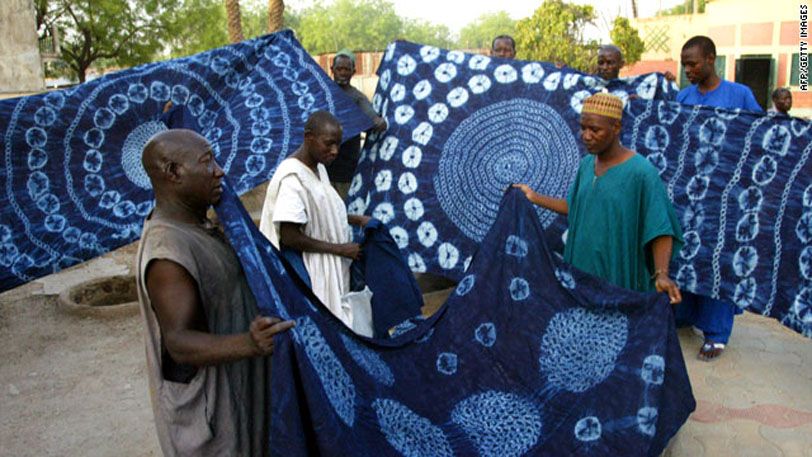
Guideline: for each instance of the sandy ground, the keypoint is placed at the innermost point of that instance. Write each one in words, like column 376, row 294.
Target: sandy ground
column 74, row 384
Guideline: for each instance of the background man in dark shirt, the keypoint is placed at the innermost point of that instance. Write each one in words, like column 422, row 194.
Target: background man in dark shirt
column 343, row 167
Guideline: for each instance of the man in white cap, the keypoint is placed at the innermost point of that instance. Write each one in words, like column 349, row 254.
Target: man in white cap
column 622, row 226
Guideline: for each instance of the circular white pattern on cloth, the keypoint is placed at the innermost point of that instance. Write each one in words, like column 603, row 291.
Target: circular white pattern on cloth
column 422, row 89
column 447, row 256
column 412, row 156
column 455, row 56
column 653, row 370
column 413, row 208
column 398, row 92
column 406, row 65
column 416, row 263
column 445, row 72
column 648, row 87
column 479, row 62
column 403, row 114
column 427, row 234
column 551, row 83
column 513, row 141
column 407, row 183
column 765, row 170
column 133, row 148
column 388, row 147
column 532, row 73
column 505, row 74
column 429, row 53
column 499, row 424
column 457, row 97
column 438, row 112
column 383, row 180
column 570, row 80
column 479, row 84
column 386, row 76
column 802, row 306
column 587, row 429
column 579, row 348
column 401, row 237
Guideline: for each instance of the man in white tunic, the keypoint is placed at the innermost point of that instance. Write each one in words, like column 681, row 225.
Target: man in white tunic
column 302, row 211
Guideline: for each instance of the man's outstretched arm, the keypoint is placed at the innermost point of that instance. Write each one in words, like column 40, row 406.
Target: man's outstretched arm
column 176, row 301
column 559, row 205
column 661, row 248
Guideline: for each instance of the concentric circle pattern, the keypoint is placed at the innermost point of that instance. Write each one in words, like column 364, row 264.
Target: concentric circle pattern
column 514, row 141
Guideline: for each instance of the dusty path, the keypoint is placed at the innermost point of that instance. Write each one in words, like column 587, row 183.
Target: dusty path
column 72, row 385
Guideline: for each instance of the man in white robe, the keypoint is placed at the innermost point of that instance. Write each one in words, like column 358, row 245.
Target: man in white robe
column 304, row 212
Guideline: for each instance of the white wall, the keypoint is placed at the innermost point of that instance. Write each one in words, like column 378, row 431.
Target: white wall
column 20, row 64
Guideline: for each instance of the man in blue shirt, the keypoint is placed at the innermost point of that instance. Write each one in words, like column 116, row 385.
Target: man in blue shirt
column 713, row 317
column 698, row 57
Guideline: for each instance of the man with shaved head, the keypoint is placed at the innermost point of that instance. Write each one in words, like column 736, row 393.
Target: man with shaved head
column 304, row 216
column 610, row 61
column 622, row 226
column 207, row 347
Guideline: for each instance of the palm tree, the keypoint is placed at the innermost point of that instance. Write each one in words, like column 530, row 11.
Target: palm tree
column 234, row 22
column 276, row 9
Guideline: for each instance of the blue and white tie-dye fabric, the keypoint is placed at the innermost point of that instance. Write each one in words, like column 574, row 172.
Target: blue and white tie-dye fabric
column 742, row 184
column 74, row 186
column 561, row 364
column 463, row 127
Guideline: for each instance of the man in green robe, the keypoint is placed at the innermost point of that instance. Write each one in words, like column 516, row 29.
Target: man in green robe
column 622, row 226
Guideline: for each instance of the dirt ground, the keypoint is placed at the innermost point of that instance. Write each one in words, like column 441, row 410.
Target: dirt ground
column 73, row 384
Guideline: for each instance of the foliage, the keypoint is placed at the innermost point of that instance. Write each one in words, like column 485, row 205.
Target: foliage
column 205, row 25
column 424, row 32
column 686, row 7
column 123, row 32
column 480, row 33
column 554, row 33
column 353, row 24
column 366, row 25
column 625, row 37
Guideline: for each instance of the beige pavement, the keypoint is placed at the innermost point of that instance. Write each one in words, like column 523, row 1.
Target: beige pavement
column 755, row 400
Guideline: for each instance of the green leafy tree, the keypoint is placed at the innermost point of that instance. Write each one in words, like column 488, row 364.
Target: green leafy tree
column 554, row 33
column 480, row 33
column 361, row 25
column 124, row 33
column 353, row 24
column 625, row 37
column 424, row 32
column 204, row 26
column 686, row 7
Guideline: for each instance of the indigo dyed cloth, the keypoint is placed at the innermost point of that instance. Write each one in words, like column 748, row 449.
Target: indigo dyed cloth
column 463, row 127
column 742, row 185
column 383, row 268
column 73, row 184
column 527, row 357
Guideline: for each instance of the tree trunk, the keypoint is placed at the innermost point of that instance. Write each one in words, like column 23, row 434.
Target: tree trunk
column 234, row 22
column 276, row 10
